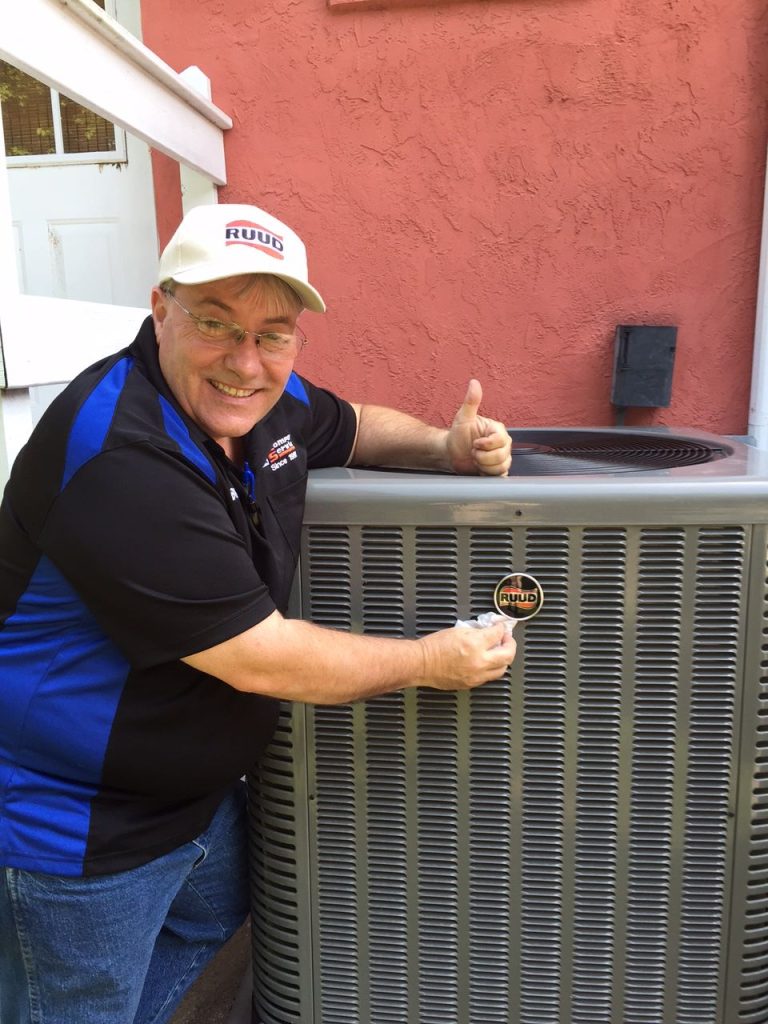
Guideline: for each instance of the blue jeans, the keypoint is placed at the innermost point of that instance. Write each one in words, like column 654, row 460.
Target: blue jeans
column 121, row 948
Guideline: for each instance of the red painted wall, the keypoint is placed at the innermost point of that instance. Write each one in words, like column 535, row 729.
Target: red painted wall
column 488, row 188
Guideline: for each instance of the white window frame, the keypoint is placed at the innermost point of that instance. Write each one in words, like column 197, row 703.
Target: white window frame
column 118, row 155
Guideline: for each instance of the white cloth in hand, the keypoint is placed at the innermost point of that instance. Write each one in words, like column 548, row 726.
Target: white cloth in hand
column 489, row 619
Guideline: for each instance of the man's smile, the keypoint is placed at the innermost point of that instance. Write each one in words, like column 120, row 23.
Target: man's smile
column 227, row 389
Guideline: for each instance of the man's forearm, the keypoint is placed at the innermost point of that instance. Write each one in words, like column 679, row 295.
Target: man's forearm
column 473, row 443
column 329, row 667
column 387, row 437
column 294, row 660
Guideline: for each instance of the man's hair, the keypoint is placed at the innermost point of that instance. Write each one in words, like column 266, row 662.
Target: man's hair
column 272, row 291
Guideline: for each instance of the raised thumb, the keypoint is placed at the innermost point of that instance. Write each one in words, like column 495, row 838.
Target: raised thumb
column 471, row 403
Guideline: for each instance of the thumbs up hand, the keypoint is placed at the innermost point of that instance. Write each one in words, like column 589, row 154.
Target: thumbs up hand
column 476, row 444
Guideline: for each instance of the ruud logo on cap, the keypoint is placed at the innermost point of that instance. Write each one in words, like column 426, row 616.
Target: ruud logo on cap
column 518, row 596
column 246, row 232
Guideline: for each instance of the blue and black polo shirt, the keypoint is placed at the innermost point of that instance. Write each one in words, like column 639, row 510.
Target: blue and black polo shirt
column 127, row 541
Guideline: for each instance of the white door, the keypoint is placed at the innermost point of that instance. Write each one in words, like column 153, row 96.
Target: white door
column 82, row 197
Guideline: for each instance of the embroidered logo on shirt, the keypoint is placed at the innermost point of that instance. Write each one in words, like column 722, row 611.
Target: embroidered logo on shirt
column 282, row 452
column 233, row 494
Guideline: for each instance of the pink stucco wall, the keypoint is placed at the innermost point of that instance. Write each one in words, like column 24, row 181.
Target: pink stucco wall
column 488, row 188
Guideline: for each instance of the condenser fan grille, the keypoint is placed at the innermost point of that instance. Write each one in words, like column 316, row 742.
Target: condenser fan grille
column 553, row 452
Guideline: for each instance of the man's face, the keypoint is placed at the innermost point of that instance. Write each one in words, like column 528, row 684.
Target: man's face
column 224, row 391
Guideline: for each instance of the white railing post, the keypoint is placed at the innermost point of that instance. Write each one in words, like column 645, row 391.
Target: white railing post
column 15, row 404
column 196, row 188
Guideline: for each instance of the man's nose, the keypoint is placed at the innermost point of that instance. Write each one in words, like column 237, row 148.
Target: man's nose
column 246, row 358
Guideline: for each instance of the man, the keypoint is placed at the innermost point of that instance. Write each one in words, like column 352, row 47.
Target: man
column 148, row 539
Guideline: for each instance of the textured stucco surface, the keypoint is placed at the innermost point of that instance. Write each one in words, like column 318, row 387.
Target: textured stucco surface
column 488, row 188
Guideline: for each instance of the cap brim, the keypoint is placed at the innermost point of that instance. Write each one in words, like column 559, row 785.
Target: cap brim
column 311, row 298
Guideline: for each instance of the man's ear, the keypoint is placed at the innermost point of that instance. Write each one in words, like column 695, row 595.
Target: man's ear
column 159, row 302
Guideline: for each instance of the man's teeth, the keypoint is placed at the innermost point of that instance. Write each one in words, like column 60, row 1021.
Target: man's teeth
column 234, row 392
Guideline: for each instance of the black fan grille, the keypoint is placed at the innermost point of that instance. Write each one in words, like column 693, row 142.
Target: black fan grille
column 554, row 453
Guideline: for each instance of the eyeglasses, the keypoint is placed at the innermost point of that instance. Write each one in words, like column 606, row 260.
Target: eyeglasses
column 272, row 344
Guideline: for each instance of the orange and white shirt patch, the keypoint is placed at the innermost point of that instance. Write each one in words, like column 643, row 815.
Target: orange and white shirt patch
column 282, row 452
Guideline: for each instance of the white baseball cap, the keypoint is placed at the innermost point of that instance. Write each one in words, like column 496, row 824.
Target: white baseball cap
column 226, row 239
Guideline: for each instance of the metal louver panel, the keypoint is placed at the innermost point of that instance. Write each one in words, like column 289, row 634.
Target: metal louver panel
column 601, row 624
column 748, row 995
column 558, row 847
column 710, row 792
column 276, row 862
column 651, row 893
column 278, row 835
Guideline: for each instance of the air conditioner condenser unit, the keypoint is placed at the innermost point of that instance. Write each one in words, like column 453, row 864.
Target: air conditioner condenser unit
column 582, row 842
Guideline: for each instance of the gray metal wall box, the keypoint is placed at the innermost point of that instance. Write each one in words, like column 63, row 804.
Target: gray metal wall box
column 644, row 358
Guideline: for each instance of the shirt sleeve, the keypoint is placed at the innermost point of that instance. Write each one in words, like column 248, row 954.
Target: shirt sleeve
column 150, row 548
column 333, row 428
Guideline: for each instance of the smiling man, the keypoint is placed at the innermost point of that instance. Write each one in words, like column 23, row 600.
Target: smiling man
column 148, row 540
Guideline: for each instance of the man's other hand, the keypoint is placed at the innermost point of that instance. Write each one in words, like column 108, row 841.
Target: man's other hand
column 476, row 444
column 462, row 658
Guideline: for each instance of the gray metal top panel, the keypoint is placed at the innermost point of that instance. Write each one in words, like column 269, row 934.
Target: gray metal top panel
column 733, row 489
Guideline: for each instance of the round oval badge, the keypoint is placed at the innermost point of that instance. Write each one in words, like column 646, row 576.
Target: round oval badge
column 518, row 596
